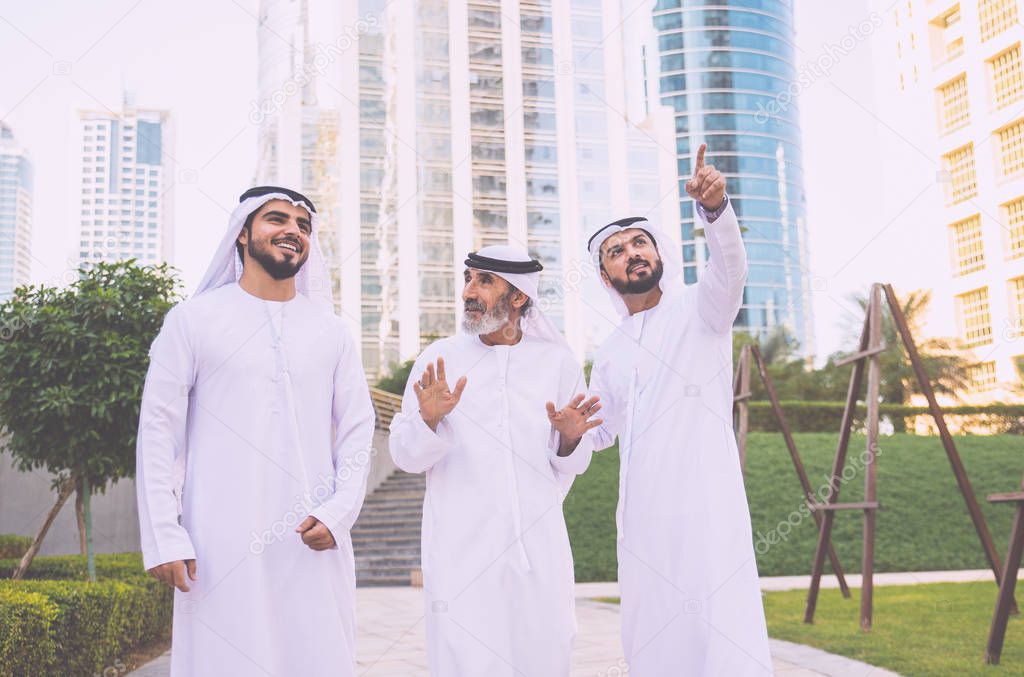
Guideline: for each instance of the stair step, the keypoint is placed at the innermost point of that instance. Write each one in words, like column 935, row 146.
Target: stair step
column 387, row 562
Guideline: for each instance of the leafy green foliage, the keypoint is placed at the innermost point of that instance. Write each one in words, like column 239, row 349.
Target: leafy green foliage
column 12, row 545
column 25, row 618
column 397, row 377
column 69, row 626
column 72, row 364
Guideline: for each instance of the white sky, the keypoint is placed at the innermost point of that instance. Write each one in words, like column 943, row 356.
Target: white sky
column 198, row 59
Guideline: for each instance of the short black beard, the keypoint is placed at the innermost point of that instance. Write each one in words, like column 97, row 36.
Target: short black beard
column 279, row 270
column 642, row 286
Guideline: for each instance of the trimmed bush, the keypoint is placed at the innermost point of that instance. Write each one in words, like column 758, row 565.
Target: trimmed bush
column 26, row 629
column 13, row 546
column 120, row 566
column 820, row 417
column 92, row 624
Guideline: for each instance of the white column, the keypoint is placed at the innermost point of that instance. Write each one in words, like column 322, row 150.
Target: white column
column 512, row 95
column 615, row 85
column 575, row 264
column 403, row 16
column 461, row 141
column 349, row 162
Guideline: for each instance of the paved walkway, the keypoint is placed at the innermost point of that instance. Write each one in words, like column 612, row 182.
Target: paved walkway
column 391, row 632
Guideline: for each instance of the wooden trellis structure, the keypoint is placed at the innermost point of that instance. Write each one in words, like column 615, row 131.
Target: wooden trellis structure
column 1004, row 603
column 867, row 359
column 741, row 413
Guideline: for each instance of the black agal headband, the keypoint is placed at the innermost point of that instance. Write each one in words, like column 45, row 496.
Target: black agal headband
column 474, row 260
column 267, row 190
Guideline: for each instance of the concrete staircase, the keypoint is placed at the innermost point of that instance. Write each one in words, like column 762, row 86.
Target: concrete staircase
column 386, row 537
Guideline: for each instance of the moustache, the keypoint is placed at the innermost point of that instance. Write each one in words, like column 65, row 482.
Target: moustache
column 474, row 305
column 636, row 264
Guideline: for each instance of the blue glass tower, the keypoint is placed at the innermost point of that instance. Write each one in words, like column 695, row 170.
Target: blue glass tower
column 727, row 68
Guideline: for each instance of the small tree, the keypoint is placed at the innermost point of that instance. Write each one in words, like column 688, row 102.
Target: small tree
column 72, row 365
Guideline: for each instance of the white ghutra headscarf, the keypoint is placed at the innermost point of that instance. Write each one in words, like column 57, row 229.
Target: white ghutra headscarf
column 668, row 249
column 514, row 265
column 313, row 279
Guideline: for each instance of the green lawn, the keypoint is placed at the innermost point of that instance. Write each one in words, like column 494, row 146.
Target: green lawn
column 938, row 629
column 923, row 524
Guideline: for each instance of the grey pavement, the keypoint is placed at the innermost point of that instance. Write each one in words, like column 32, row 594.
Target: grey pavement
column 391, row 637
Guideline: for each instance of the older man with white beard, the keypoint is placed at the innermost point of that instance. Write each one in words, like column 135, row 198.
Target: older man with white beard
column 497, row 567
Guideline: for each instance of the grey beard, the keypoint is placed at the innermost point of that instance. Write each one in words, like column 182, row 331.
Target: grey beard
column 491, row 321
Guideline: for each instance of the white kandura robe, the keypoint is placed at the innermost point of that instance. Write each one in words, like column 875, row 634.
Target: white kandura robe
column 691, row 603
column 497, row 567
column 267, row 425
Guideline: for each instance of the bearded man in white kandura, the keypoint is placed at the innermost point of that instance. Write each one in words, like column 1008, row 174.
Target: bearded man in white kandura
column 691, row 603
column 497, row 568
column 256, row 413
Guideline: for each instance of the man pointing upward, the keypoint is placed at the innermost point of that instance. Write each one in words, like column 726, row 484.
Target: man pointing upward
column 691, row 603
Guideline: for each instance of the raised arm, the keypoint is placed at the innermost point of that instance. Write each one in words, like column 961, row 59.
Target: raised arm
column 569, row 447
column 160, row 446
column 420, row 434
column 720, row 289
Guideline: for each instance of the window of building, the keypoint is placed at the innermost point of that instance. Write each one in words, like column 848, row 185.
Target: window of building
column 995, row 16
column 1011, row 148
column 968, row 253
column 982, row 376
column 1007, row 77
column 953, row 104
column 973, row 313
column 963, row 182
column 1014, row 219
column 946, row 36
column 1016, row 289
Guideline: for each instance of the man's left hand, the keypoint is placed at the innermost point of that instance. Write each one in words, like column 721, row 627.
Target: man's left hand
column 573, row 421
column 707, row 185
column 315, row 534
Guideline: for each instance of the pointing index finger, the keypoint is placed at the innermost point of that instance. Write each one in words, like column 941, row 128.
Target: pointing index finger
column 700, row 158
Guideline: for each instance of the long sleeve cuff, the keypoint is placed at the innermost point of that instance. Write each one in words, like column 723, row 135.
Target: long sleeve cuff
column 414, row 446
column 175, row 545
column 710, row 216
column 577, row 462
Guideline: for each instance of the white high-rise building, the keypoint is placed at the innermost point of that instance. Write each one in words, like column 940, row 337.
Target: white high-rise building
column 125, row 185
column 15, row 213
column 426, row 129
column 951, row 84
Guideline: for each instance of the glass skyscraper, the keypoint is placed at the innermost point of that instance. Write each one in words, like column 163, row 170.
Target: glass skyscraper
column 125, row 185
column 724, row 65
column 15, row 213
column 462, row 124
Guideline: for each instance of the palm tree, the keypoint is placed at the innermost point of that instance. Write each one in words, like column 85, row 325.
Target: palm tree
column 944, row 359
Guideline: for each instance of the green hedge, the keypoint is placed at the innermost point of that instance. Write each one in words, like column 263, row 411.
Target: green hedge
column 808, row 417
column 56, row 623
column 25, row 618
column 12, row 545
column 121, row 566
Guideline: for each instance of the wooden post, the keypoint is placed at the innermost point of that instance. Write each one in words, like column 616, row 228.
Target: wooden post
column 741, row 400
column 798, row 465
column 825, row 531
column 966, row 490
column 1004, row 603
column 870, row 469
